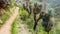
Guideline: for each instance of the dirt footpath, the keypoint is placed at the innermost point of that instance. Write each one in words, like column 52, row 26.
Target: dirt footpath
column 6, row 28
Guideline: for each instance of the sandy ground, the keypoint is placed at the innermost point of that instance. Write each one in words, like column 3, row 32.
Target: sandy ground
column 6, row 28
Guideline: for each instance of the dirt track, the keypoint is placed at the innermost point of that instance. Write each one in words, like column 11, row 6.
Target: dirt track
column 6, row 28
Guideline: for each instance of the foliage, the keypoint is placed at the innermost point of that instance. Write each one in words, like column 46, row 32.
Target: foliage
column 12, row 2
column 13, row 29
column 57, row 12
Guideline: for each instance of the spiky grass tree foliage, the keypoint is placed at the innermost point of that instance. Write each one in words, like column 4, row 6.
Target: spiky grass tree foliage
column 3, row 6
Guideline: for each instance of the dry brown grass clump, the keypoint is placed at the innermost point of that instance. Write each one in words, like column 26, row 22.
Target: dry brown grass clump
column 3, row 6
